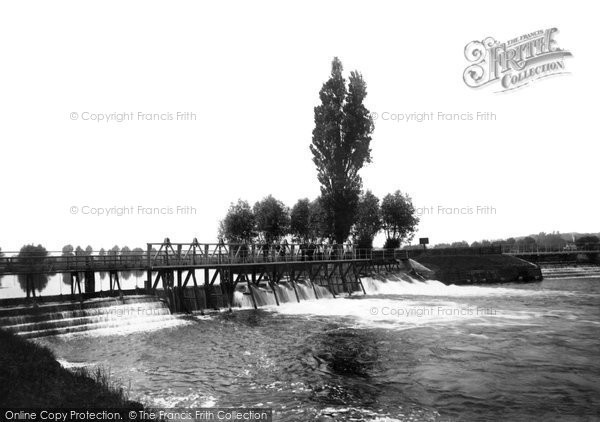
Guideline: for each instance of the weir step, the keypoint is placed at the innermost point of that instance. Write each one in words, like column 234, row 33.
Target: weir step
column 62, row 318
column 145, row 323
column 82, row 320
column 115, row 310
column 41, row 308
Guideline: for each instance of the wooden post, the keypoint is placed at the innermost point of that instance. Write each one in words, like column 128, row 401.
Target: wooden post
column 193, row 272
column 331, row 286
column 343, row 275
column 357, row 276
column 148, row 284
column 78, row 282
column 294, row 285
column 274, row 291
column 90, row 281
column 180, row 297
column 171, row 284
column 251, row 293
column 227, row 285
column 343, row 279
column 117, row 282
column 271, row 285
column 314, row 288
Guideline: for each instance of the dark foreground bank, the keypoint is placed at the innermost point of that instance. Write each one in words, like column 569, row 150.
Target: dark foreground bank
column 30, row 376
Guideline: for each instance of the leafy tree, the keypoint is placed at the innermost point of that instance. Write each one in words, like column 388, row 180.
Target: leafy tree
column 300, row 220
column 138, row 260
column 125, row 252
column 399, row 219
column 341, row 146
column 79, row 251
column 527, row 243
column 319, row 221
column 552, row 241
column 459, row 244
column 584, row 241
column 32, row 259
column 368, row 220
column 102, row 274
column 272, row 219
column 67, row 251
column 239, row 223
column 113, row 254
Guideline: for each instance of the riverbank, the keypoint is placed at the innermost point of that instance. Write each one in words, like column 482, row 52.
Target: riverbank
column 30, row 376
column 484, row 268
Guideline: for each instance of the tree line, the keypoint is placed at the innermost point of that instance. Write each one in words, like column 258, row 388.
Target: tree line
column 548, row 241
column 133, row 256
column 270, row 221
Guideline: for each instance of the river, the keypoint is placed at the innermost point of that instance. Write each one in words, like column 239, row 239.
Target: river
column 406, row 351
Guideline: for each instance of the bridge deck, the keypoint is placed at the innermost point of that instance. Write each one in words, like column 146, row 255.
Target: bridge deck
column 187, row 256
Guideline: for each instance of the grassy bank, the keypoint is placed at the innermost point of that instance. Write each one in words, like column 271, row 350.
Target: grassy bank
column 30, row 376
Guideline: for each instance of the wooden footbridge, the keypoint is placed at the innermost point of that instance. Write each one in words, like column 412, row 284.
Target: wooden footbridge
column 196, row 276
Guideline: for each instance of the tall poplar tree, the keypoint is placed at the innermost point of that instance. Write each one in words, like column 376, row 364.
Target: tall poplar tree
column 341, row 147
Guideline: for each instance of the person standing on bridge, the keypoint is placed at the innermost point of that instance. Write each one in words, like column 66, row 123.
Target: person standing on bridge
column 283, row 249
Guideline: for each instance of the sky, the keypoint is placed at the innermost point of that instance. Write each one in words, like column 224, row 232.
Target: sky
column 250, row 73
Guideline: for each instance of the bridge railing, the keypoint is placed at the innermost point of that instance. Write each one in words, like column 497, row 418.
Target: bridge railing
column 189, row 255
column 529, row 249
column 56, row 262
column 483, row 250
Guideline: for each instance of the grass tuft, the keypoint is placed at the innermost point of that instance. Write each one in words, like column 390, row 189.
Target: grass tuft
column 30, row 376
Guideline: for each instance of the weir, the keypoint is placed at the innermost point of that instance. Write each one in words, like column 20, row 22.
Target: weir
column 194, row 277
column 51, row 318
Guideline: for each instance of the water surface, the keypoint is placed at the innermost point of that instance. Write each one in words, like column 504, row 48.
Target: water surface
column 406, row 351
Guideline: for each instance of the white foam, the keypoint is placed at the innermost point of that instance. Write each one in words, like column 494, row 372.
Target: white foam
column 401, row 302
column 408, row 286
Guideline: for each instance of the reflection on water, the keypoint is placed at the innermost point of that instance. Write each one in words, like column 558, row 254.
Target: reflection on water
column 39, row 282
column 534, row 358
column 15, row 286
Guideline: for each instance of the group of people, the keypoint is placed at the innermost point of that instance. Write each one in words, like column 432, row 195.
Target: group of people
column 307, row 251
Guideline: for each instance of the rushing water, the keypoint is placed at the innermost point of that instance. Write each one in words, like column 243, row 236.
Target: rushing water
column 406, row 351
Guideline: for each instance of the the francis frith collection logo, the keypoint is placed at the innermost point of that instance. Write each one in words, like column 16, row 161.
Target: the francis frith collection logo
column 514, row 63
